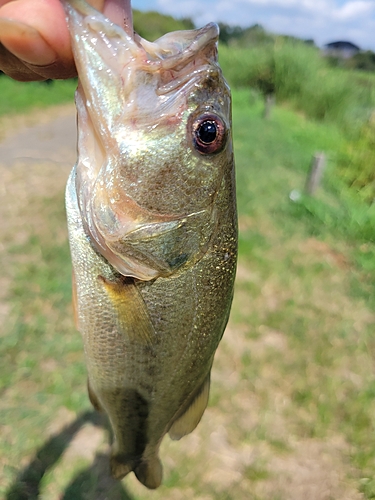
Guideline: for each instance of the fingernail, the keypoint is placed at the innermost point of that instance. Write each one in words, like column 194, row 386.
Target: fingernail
column 25, row 42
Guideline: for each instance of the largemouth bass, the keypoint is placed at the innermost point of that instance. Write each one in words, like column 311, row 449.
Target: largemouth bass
column 152, row 226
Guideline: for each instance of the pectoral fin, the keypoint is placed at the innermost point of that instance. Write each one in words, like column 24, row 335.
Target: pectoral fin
column 132, row 314
column 188, row 421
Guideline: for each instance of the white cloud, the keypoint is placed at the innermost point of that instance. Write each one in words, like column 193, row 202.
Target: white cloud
column 323, row 20
column 352, row 10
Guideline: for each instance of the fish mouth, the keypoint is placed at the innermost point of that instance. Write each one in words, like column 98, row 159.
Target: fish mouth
column 167, row 52
column 149, row 73
column 126, row 85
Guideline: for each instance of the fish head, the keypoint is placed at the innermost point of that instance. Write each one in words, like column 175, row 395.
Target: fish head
column 154, row 140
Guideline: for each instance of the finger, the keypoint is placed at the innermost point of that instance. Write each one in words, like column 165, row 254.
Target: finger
column 47, row 18
column 35, row 38
column 26, row 56
column 15, row 68
column 25, row 72
column 25, row 42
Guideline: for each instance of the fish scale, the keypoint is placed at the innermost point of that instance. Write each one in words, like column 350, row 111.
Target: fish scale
column 152, row 228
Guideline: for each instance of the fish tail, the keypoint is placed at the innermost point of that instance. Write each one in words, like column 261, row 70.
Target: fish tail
column 149, row 472
column 120, row 467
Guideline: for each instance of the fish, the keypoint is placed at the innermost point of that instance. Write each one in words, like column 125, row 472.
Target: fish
column 152, row 224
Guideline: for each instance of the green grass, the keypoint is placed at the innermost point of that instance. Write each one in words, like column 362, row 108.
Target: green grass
column 298, row 75
column 293, row 379
column 273, row 159
column 18, row 97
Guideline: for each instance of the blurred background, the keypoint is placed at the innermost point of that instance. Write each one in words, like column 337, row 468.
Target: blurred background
column 291, row 412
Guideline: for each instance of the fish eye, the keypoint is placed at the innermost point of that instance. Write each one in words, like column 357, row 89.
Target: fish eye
column 209, row 134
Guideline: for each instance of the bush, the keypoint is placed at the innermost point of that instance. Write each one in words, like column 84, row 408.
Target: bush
column 297, row 73
column 294, row 72
column 152, row 25
column 364, row 61
column 356, row 164
column 250, row 67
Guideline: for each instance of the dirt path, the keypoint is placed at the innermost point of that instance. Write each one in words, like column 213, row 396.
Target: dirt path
column 48, row 136
column 31, row 147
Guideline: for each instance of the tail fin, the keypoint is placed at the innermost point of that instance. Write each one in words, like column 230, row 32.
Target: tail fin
column 149, row 472
column 120, row 467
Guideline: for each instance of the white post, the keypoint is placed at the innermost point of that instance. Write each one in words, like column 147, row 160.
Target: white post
column 315, row 173
column 268, row 105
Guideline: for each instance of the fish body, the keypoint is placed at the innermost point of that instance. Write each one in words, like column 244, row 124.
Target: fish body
column 152, row 227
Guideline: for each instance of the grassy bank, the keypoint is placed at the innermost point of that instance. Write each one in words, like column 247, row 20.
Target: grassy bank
column 301, row 78
column 316, row 259
column 291, row 413
column 18, row 97
column 298, row 74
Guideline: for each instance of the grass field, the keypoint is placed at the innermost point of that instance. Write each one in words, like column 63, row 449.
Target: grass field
column 292, row 410
column 16, row 97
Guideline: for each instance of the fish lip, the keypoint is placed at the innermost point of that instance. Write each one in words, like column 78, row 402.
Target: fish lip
column 114, row 67
column 175, row 57
column 167, row 52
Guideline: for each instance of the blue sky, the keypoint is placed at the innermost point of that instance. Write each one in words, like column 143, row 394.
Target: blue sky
column 323, row 20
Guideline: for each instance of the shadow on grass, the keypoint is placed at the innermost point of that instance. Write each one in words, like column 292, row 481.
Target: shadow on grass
column 92, row 483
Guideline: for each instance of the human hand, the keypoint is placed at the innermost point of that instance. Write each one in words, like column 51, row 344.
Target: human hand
column 34, row 37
